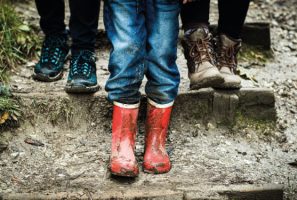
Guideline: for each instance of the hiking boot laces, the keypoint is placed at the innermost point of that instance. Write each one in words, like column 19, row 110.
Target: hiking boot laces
column 227, row 57
column 202, row 51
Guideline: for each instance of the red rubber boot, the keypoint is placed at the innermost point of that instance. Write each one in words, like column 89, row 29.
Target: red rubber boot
column 156, row 159
column 124, row 127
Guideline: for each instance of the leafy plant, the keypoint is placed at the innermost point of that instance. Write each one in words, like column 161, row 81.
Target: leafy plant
column 9, row 108
column 18, row 40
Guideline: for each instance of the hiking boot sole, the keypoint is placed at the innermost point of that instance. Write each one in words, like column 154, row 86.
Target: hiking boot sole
column 214, row 81
column 81, row 89
column 46, row 78
column 230, row 86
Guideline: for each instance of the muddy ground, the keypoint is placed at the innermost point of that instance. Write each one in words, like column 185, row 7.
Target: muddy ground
column 75, row 160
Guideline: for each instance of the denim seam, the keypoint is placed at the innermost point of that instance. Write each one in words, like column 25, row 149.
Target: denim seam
column 137, row 6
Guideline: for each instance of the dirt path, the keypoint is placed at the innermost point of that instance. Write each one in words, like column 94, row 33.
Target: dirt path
column 71, row 161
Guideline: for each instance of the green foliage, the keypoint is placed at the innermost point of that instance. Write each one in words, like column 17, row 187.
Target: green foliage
column 9, row 107
column 18, row 40
column 255, row 54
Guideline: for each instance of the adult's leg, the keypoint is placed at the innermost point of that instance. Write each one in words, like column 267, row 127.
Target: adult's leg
column 84, row 18
column 84, row 23
column 231, row 20
column 54, row 48
column 195, row 14
column 232, row 17
column 198, row 45
column 51, row 16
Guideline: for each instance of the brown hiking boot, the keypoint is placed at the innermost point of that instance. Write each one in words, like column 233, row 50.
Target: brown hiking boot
column 227, row 50
column 200, row 57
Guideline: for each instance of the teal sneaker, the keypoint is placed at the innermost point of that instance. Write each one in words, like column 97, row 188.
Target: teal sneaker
column 82, row 76
column 53, row 56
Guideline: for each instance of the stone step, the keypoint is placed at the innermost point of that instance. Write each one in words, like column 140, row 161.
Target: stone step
column 198, row 192
column 220, row 107
column 75, row 133
column 250, row 35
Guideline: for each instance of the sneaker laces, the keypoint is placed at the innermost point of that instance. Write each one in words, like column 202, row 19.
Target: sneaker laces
column 81, row 66
column 52, row 49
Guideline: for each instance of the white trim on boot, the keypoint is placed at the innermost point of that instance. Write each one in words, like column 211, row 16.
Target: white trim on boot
column 128, row 106
column 160, row 105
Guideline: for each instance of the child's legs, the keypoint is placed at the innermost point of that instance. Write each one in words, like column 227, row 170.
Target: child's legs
column 52, row 13
column 84, row 23
column 162, row 30
column 125, row 25
column 232, row 16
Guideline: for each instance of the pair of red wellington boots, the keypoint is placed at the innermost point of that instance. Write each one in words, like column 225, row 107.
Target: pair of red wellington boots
column 124, row 128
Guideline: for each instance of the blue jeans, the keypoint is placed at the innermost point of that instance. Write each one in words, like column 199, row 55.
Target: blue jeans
column 144, row 36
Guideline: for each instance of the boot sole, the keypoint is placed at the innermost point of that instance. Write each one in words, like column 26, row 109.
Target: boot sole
column 124, row 173
column 81, row 89
column 230, row 86
column 129, row 175
column 154, row 172
column 45, row 78
column 214, row 81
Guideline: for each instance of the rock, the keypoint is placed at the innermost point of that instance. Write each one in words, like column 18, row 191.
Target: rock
column 15, row 155
column 195, row 133
column 3, row 147
column 210, row 126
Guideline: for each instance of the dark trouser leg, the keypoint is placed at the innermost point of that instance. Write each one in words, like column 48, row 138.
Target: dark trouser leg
column 195, row 14
column 84, row 23
column 51, row 15
column 232, row 16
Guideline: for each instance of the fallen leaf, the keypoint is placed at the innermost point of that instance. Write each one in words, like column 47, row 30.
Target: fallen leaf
column 24, row 27
column 4, row 117
column 245, row 75
column 34, row 142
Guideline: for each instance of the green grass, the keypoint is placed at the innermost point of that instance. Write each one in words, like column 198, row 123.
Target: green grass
column 18, row 40
column 9, row 108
